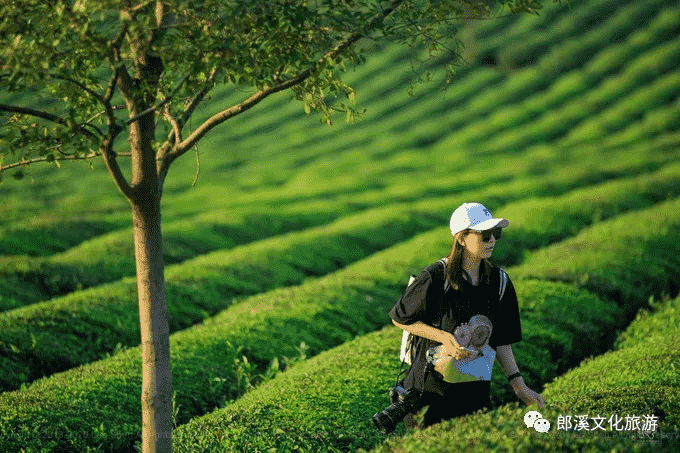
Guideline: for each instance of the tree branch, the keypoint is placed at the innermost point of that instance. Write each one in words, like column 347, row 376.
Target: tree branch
column 63, row 157
column 176, row 129
column 46, row 159
column 189, row 110
column 175, row 135
column 109, row 156
column 160, row 104
column 49, row 117
column 82, row 86
column 256, row 98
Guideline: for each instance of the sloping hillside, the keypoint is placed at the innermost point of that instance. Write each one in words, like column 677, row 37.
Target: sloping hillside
column 298, row 237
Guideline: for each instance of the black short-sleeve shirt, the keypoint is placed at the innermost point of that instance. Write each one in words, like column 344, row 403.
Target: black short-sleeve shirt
column 423, row 301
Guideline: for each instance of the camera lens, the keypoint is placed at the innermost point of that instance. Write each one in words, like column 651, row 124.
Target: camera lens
column 408, row 401
column 383, row 422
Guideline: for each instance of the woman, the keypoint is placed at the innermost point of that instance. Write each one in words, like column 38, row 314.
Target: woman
column 431, row 311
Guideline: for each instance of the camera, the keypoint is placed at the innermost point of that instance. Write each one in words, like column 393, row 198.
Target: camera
column 403, row 402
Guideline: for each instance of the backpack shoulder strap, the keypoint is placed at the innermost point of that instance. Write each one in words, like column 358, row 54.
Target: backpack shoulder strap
column 503, row 283
column 437, row 271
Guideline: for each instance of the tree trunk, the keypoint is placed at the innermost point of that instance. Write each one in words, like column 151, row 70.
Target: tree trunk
column 153, row 316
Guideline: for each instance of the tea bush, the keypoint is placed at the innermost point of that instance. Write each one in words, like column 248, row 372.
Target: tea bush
column 208, row 358
column 200, row 285
column 552, row 315
column 52, row 336
column 46, row 236
column 326, row 403
column 205, row 358
column 628, row 258
column 109, row 257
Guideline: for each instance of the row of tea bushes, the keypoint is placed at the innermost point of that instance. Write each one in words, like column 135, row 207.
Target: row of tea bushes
column 201, row 284
column 325, row 404
column 107, row 258
column 663, row 120
column 533, row 37
column 626, row 258
column 98, row 404
column 85, row 325
column 60, row 235
column 621, row 19
column 536, row 222
column 335, row 166
column 319, row 139
column 246, row 129
column 43, row 338
column 638, row 379
column 208, row 367
column 110, row 257
column 539, row 221
column 633, row 150
column 658, row 64
column 584, row 113
column 645, row 62
column 445, row 108
column 648, row 357
column 45, row 236
column 386, row 103
column 560, row 170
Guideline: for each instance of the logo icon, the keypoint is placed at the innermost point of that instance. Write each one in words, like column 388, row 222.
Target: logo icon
column 534, row 419
column 542, row 425
column 531, row 417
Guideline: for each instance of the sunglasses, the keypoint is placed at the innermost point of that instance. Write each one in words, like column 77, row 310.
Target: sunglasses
column 486, row 234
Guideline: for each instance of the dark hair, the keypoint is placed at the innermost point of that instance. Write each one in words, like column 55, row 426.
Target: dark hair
column 454, row 263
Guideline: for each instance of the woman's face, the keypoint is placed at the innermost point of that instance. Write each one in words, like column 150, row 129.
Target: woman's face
column 476, row 247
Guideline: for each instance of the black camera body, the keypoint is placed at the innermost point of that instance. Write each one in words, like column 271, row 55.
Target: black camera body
column 403, row 402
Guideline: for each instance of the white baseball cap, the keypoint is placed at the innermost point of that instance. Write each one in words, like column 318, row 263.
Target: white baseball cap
column 474, row 216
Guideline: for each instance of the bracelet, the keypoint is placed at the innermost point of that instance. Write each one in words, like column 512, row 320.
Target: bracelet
column 514, row 375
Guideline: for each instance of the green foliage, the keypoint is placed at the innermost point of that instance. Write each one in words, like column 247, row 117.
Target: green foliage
column 41, row 237
column 84, row 57
column 320, row 313
column 82, row 326
column 109, row 257
column 566, row 322
column 201, row 285
column 622, row 258
column 277, row 160
column 663, row 317
column 540, row 221
column 326, row 403
column 649, row 386
column 329, row 312
column 321, row 404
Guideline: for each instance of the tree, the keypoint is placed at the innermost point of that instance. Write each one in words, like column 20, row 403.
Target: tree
column 92, row 73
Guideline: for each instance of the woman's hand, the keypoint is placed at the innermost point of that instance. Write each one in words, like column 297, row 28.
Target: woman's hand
column 451, row 347
column 527, row 395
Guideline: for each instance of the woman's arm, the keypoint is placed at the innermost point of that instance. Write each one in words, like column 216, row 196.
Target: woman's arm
column 451, row 346
column 506, row 360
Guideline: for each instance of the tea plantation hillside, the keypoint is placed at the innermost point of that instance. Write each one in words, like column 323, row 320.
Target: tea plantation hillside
column 284, row 257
